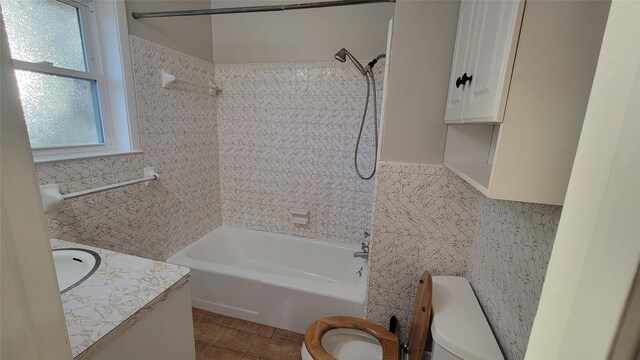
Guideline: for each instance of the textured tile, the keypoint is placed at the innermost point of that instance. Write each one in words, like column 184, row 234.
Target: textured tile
column 427, row 218
column 508, row 265
column 287, row 133
column 54, row 173
column 282, row 136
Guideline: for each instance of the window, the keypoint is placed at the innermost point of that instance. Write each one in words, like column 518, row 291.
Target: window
column 76, row 102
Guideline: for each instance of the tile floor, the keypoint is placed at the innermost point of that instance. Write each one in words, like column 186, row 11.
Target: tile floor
column 220, row 337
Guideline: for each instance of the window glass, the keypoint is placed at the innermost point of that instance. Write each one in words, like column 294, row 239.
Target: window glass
column 44, row 30
column 59, row 111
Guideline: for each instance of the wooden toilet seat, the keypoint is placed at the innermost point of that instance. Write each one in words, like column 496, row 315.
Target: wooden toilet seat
column 388, row 341
column 313, row 337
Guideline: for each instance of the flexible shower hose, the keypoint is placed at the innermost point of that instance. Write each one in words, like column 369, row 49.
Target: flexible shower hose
column 375, row 124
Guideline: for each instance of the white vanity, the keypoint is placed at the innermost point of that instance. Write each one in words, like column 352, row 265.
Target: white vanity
column 129, row 308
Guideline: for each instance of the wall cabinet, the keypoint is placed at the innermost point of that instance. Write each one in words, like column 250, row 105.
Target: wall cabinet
column 514, row 127
column 483, row 60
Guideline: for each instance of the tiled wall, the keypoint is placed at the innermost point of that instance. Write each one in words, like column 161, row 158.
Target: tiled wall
column 287, row 134
column 179, row 137
column 424, row 219
column 286, row 138
column 509, row 261
column 427, row 218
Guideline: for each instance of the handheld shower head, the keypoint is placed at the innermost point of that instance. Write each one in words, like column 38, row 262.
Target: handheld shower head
column 367, row 72
column 341, row 55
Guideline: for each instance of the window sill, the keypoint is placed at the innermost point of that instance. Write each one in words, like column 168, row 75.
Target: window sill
column 48, row 159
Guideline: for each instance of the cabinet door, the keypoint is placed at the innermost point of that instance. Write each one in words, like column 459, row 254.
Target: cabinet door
column 496, row 26
column 455, row 101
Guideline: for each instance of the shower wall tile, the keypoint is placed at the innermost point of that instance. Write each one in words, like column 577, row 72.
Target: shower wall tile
column 287, row 135
column 179, row 138
column 427, row 218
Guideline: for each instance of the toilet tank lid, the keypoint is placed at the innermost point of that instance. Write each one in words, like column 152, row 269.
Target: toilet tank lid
column 458, row 323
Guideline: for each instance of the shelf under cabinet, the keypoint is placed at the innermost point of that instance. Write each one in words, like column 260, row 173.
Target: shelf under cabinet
column 476, row 174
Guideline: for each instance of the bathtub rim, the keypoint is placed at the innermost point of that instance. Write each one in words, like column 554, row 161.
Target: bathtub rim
column 356, row 292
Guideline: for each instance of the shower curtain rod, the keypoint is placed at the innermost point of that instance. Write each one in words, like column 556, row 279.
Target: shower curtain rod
column 252, row 9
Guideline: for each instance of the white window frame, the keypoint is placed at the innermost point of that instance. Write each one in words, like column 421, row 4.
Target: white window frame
column 108, row 57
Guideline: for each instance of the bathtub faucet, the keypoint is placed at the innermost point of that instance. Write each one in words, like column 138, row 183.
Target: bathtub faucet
column 364, row 254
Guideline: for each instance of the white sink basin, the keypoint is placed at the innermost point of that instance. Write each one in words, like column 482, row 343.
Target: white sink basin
column 74, row 266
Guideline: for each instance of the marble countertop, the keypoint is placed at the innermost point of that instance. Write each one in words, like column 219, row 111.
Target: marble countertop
column 115, row 297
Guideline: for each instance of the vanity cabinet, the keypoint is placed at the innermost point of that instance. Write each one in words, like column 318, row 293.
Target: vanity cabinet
column 513, row 128
column 163, row 332
column 483, row 59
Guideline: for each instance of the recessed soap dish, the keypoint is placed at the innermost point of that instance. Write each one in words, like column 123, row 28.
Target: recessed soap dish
column 300, row 216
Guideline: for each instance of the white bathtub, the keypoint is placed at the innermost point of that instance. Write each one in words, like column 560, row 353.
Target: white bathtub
column 273, row 279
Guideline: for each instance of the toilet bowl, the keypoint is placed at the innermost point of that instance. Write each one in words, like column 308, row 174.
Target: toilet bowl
column 459, row 329
column 349, row 338
column 348, row 344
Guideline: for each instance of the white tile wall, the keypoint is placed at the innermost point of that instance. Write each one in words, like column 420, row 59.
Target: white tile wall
column 424, row 219
column 427, row 218
column 179, row 137
column 282, row 136
column 287, row 135
column 508, row 266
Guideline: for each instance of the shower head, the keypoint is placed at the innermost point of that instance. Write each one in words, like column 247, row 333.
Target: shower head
column 342, row 56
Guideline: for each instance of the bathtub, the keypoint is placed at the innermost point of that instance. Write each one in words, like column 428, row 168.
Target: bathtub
column 273, row 279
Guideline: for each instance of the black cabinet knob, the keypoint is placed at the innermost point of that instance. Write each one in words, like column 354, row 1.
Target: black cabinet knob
column 459, row 82
column 466, row 78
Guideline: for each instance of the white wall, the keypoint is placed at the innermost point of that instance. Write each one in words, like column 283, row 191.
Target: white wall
column 190, row 35
column 299, row 35
column 422, row 46
column 33, row 324
column 597, row 253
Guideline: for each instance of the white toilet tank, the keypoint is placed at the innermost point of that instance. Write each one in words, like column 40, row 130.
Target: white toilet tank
column 459, row 328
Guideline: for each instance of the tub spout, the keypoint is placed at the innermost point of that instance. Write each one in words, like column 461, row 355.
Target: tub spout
column 364, row 254
column 361, row 254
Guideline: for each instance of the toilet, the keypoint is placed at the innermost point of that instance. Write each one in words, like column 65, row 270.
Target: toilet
column 459, row 329
column 351, row 338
